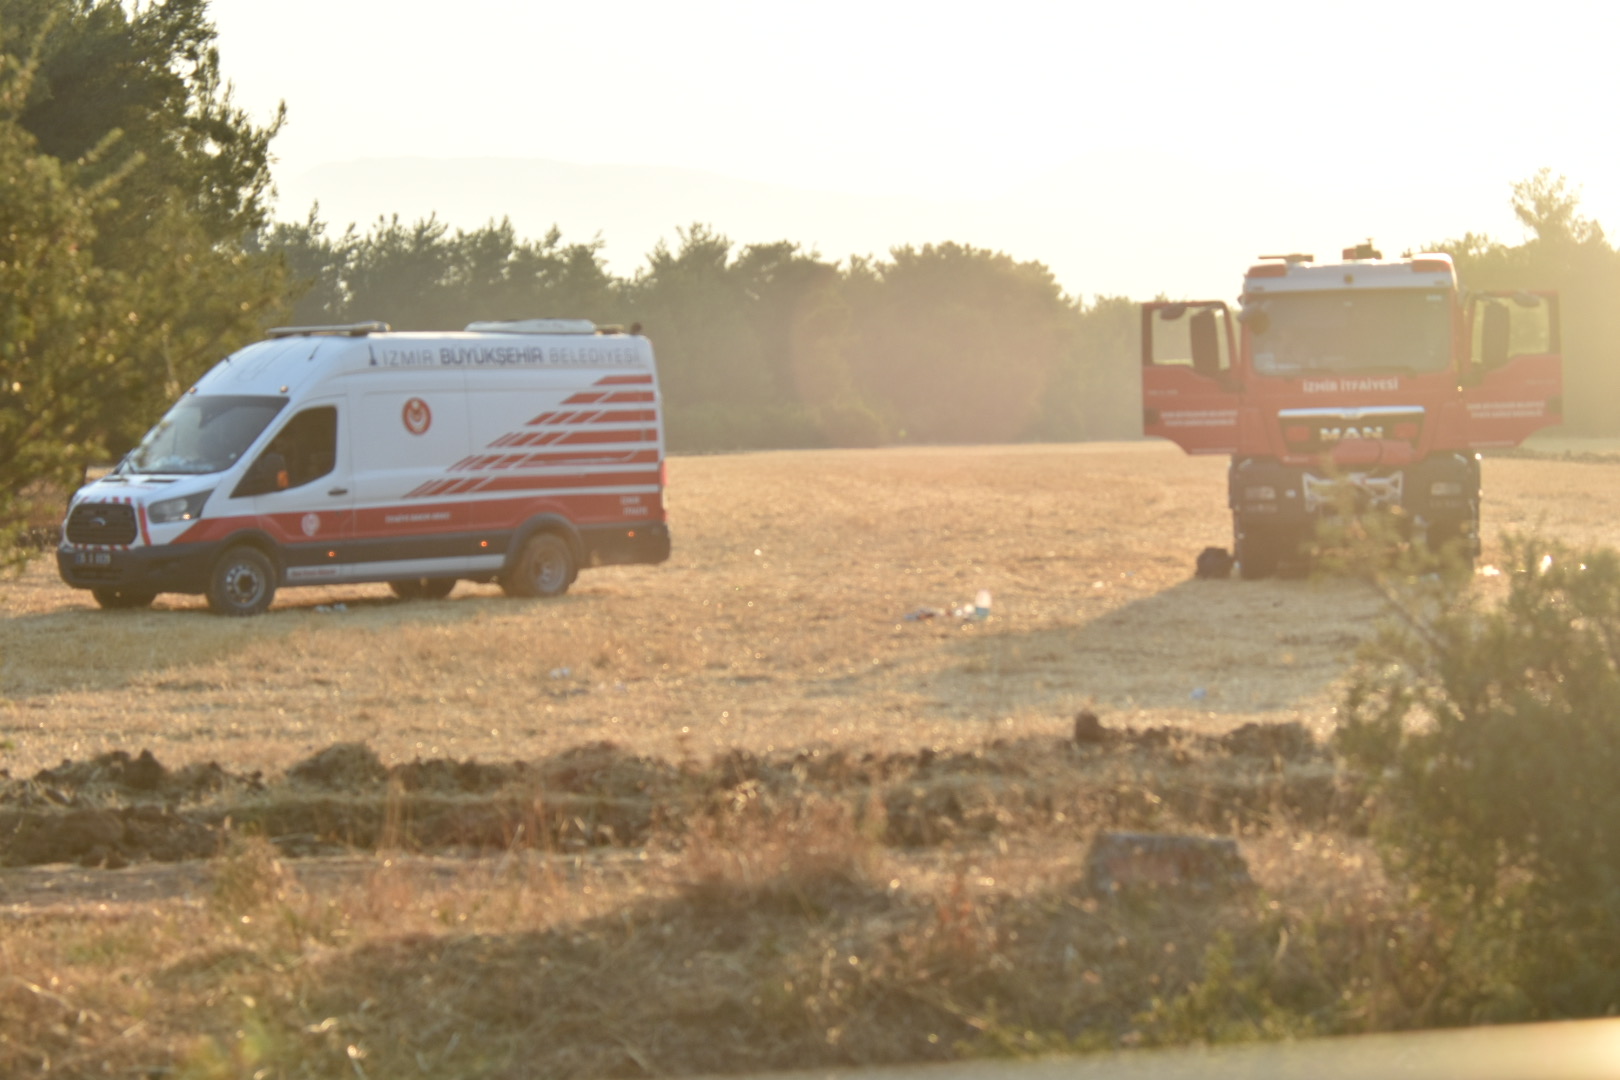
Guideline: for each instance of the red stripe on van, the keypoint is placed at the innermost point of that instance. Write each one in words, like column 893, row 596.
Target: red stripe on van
column 561, row 483
column 590, row 438
column 629, row 457
column 623, row 380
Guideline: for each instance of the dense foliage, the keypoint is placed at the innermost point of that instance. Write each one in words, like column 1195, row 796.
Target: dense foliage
column 1493, row 735
column 767, row 345
column 131, row 182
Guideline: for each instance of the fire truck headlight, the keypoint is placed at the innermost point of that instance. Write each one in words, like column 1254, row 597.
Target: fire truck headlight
column 1445, row 489
column 1260, row 493
column 185, row 508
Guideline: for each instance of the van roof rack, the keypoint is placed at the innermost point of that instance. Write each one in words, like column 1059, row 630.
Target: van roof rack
column 359, row 329
column 533, row 326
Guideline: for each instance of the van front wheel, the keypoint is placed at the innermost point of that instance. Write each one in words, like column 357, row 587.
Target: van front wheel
column 243, row 583
column 544, row 567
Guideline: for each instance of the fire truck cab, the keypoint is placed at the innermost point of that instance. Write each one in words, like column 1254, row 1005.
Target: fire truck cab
column 1377, row 379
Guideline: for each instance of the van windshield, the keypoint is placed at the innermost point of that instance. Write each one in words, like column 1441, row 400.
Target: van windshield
column 1383, row 330
column 203, row 434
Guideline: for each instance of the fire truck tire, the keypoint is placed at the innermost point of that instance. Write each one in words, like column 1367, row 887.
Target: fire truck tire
column 1451, row 539
column 1258, row 554
column 243, row 582
column 544, row 567
column 115, row 599
column 423, row 588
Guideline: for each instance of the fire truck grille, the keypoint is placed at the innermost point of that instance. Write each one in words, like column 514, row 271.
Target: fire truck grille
column 101, row 523
column 1319, row 430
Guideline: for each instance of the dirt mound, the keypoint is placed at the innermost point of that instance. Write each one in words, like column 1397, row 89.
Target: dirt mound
column 116, row 808
column 1288, row 741
column 470, row 777
column 117, row 777
column 340, row 766
column 606, row 768
column 111, row 838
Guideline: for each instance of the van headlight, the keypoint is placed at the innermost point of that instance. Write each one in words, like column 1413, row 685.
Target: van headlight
column 185, row 508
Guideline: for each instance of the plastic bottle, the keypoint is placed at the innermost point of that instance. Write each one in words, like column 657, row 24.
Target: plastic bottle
column 981, row 604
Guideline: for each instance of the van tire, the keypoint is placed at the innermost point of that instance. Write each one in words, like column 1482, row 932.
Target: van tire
column 243, row 582
column 544, row 566
column 115, row 599
column 423, row 588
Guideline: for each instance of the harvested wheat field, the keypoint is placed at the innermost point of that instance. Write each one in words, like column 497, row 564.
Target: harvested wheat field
column 771, row 804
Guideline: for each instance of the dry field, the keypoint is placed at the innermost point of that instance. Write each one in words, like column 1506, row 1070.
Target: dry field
column 824, row 832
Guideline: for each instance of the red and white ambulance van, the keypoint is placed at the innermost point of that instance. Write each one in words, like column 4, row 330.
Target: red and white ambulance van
column 517, row 452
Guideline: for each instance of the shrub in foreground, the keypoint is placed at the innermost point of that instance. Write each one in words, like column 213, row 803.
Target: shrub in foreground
column 1491, row 734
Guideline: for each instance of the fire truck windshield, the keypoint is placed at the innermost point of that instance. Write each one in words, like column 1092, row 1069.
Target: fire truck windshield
column 1370, row 331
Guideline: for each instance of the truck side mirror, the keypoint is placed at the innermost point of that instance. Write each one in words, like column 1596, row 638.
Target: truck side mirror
column 1205, row 339
column 1493, row 336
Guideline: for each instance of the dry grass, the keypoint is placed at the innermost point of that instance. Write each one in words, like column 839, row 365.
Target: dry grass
column 766, row 930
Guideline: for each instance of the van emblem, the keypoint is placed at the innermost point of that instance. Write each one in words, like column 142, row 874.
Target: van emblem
column 418, row 417
column 311, row 524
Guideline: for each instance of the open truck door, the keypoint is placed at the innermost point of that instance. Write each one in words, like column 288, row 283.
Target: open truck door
column 1190, row 393
column 1513, row 376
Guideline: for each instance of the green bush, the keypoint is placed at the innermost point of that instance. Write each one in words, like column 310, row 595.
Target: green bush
column 1491, row 734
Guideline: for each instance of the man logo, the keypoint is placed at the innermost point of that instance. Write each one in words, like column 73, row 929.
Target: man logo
column 418, row 417
column 1334, row 434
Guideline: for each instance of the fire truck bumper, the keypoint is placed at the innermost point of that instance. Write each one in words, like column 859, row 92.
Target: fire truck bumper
column 1440, row 490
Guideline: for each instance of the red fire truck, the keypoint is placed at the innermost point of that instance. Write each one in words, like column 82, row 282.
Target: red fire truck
column 1375, row 379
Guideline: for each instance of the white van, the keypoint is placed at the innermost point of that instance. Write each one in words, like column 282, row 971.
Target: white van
column 516, row 452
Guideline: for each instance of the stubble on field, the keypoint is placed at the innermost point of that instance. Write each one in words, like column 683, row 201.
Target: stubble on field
column 794, row 613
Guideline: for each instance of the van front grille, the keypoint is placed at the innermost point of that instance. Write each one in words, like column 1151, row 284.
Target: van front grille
column 101, row 523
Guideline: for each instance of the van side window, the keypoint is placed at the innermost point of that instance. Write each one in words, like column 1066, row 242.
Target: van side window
column 304, row 450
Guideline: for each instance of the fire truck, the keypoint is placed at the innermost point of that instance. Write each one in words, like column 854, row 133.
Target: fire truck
column 1367, row 383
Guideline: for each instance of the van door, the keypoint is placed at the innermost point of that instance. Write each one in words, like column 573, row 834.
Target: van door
column 1189, row 392
column 416, row 514
column 300, row 488
column 1513, row 379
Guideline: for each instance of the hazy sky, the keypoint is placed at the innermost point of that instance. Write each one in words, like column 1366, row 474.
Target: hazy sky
column 1134, row 148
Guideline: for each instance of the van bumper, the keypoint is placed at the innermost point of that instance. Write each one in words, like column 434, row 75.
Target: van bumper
column 618, row 545
column 171, row 568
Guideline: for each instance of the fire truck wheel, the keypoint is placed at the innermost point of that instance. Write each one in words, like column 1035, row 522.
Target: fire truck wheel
column 114, row 599
column 1258, row 555
column 243, row 582
column 544, row 567
column 1449, row 540
column 423, row 588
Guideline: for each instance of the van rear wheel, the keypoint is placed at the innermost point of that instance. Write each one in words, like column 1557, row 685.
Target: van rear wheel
column 423, row 588
column 243, row 582
column 544, row 566
column 114, row 599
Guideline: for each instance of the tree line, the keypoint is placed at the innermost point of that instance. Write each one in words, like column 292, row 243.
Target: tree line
column 765, row 345
column 137, row 249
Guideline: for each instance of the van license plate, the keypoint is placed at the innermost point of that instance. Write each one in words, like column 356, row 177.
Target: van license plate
column 92, row 558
